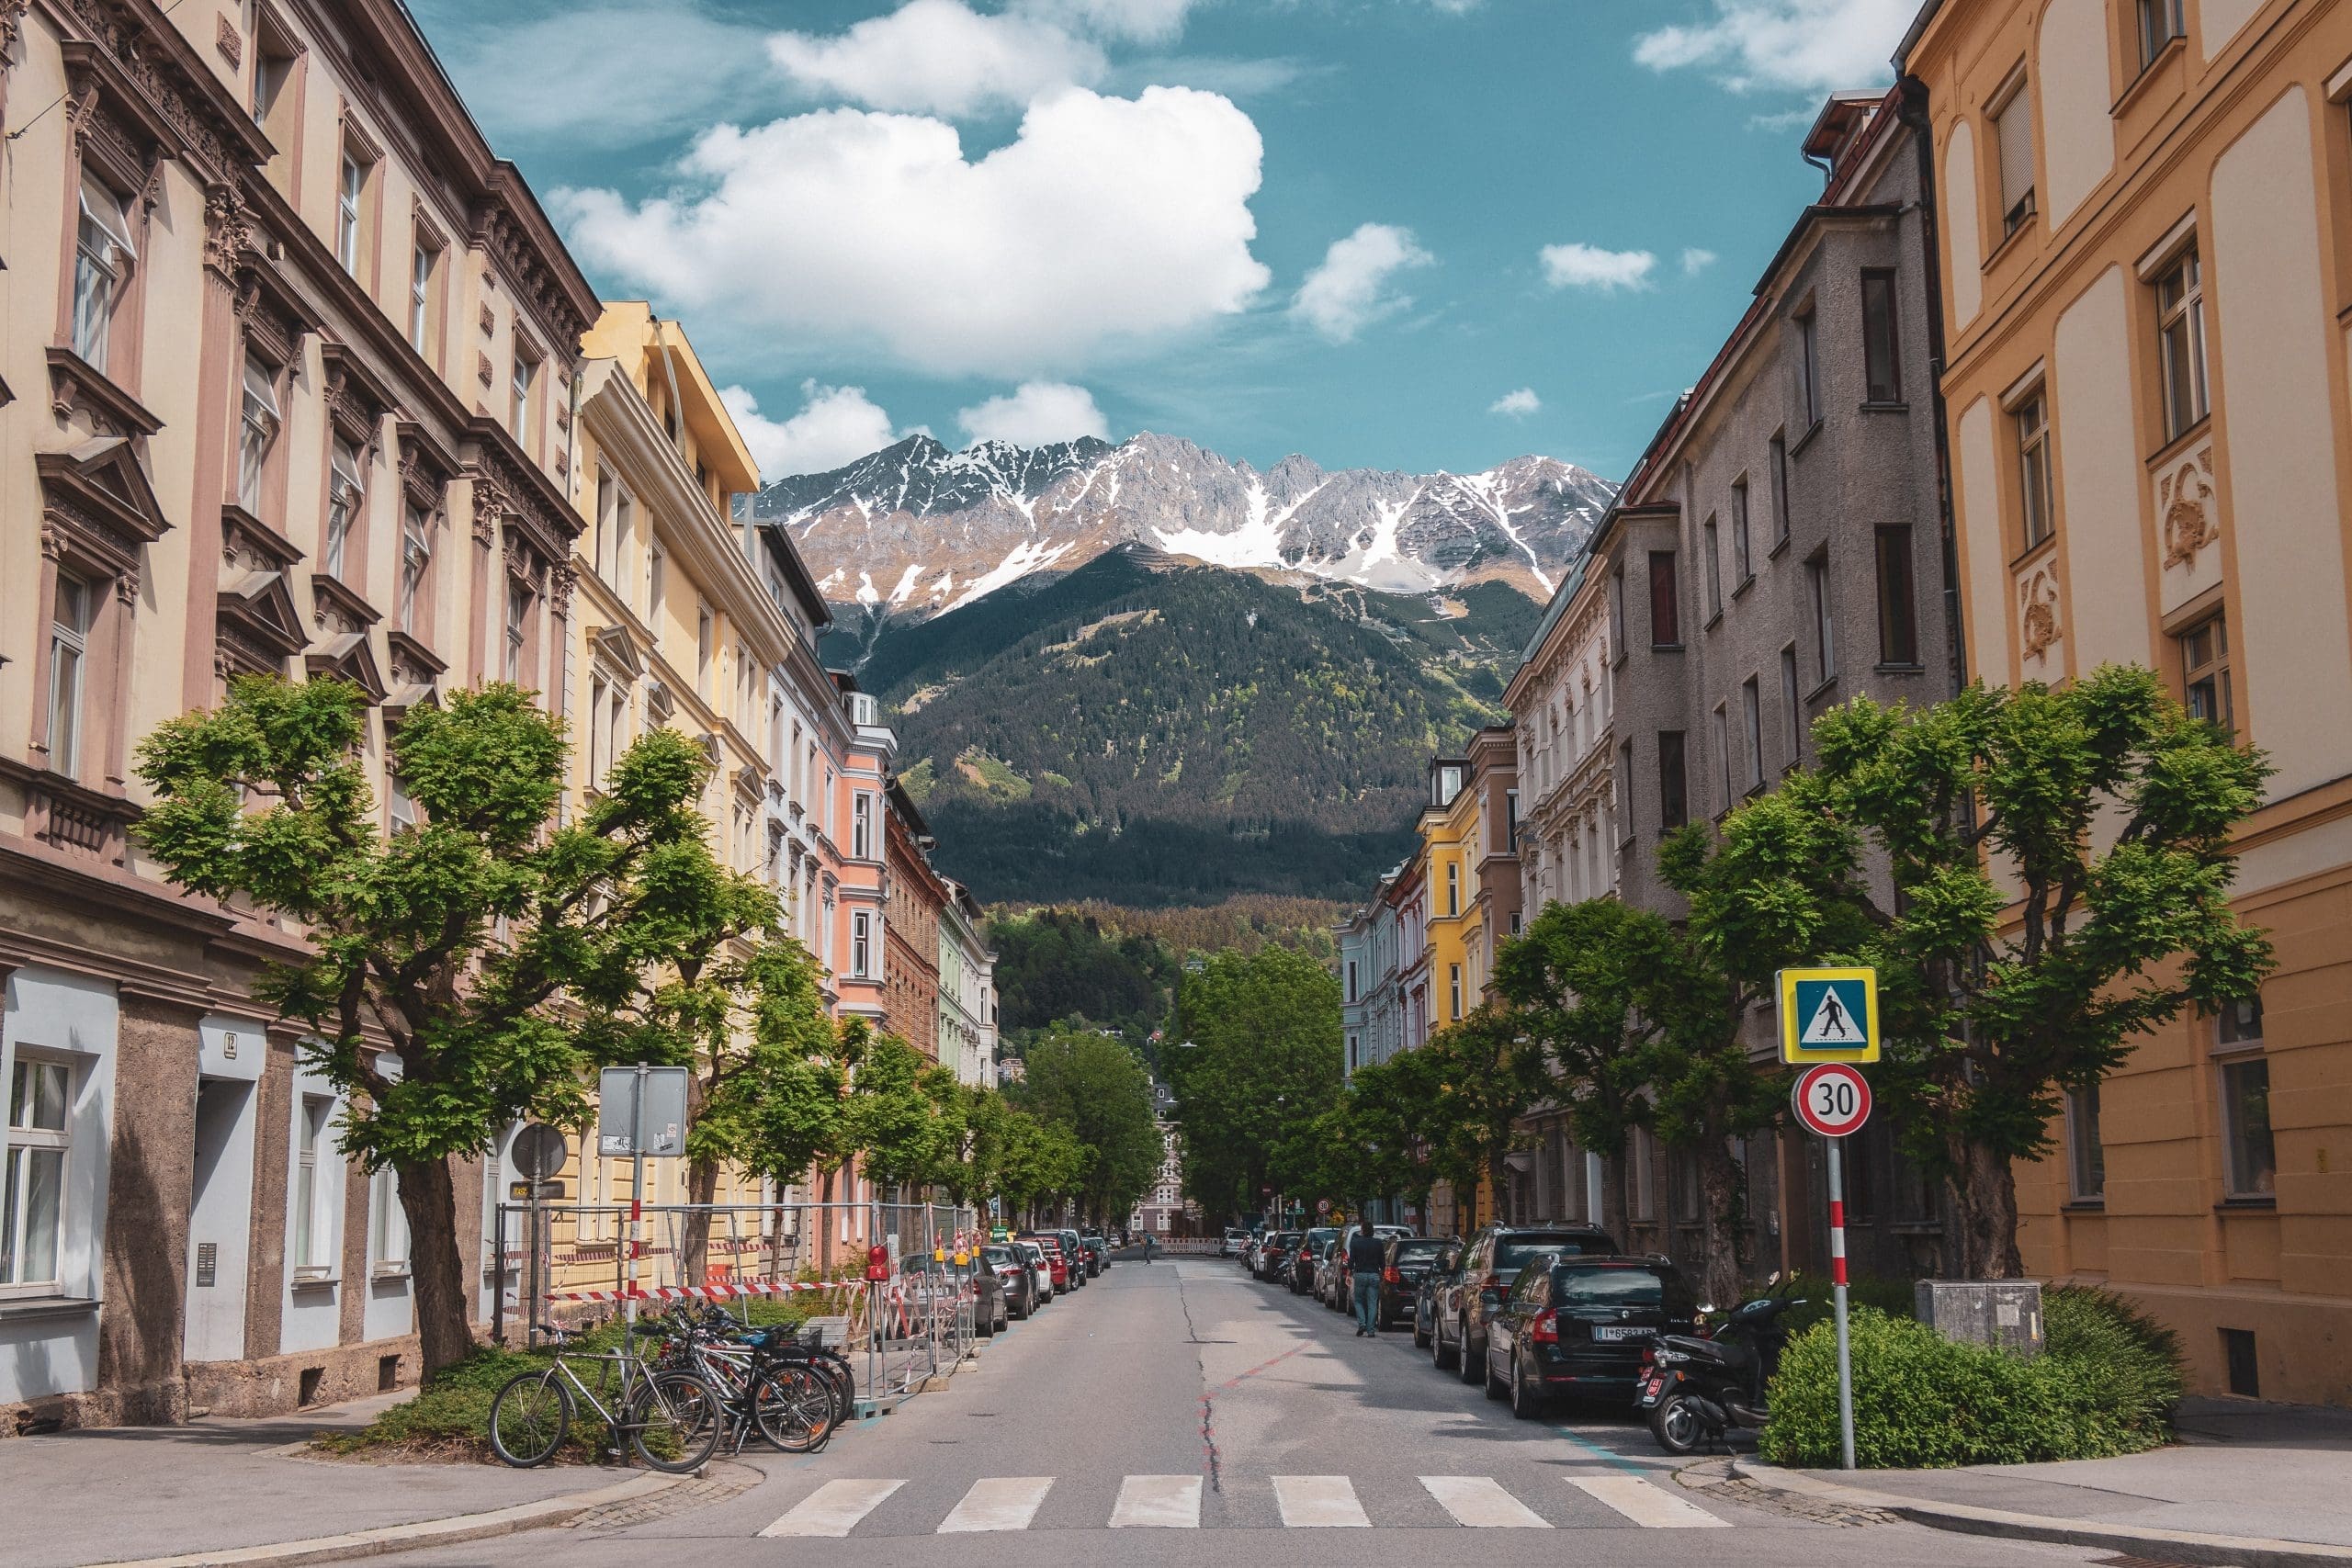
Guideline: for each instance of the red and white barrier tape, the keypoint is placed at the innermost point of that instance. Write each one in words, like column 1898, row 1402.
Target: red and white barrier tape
column 704, row 1293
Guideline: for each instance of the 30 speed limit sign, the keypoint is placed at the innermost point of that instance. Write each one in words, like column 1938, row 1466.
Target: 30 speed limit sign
column 1832, row 1099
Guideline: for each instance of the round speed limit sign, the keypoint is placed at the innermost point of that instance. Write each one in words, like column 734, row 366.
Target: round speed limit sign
column 1832, row 1099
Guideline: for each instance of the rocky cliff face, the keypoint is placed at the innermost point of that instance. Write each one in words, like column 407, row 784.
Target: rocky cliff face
column 918, row 529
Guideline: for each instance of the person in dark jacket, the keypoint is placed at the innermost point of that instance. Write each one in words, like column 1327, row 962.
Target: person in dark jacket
column 1366, row 1254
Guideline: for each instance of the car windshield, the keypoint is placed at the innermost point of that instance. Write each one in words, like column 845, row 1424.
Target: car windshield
column 1517, row 1252
column 1622, row 1286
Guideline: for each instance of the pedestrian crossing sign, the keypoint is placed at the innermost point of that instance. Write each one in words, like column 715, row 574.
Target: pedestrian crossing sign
column 1828, row 1015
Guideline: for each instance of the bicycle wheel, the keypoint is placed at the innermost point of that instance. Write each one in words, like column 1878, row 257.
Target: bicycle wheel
column 675, row 1422
column 529, row 1418
column 843, row 1379
column 793, row 1408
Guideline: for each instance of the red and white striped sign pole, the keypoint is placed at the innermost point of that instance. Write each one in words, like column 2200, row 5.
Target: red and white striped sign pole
column 1834, row 1099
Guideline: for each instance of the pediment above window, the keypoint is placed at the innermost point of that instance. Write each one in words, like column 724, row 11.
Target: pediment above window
column 348, row 657
column 259, row 626
column 357, row 401
column 77, row 386
column 411, row 661
column 426, row 467
column 98, row 505
column 337, row 609
column 621, row 649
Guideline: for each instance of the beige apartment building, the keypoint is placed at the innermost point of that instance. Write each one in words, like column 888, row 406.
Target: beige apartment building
column 287, row 357
column 2145, row 222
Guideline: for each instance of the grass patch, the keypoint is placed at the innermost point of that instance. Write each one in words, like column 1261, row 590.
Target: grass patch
column 449, row 1418
column 2105, row 1385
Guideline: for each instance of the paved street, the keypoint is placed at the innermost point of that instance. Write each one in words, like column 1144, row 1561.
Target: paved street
column 1178, row 1400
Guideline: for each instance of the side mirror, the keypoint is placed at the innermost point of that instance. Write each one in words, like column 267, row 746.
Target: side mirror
column 1772, row 1278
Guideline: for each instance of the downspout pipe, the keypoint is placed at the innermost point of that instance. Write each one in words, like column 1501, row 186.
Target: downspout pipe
column 1914, row 111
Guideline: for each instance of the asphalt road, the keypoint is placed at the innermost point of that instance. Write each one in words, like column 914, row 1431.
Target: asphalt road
column 1170, row 1405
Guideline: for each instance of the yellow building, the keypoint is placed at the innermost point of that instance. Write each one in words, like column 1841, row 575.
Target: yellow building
column 685, row 618
column 1449, row 829
column 2145, row 250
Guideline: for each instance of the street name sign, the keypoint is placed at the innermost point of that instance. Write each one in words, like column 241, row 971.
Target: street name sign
column 1828, row 1015
column 1832, row 1099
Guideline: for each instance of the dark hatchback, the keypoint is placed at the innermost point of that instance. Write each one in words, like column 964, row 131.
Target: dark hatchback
column 1578, row 1329
column 1301, row 1279
column 1274, row 1259
column 1402, row 1271
column 1489, row 1266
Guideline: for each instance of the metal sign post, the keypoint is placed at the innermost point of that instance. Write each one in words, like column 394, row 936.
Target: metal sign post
column 1834, row 1100
column 623, row 1095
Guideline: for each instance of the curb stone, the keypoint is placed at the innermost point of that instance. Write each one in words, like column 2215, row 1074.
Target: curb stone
column 2146, row 1542
column 447, row 1532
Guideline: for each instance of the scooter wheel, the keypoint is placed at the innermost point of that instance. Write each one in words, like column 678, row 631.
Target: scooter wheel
column 1674, row 1423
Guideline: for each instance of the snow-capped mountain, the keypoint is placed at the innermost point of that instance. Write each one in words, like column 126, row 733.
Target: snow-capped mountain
column 918, row 528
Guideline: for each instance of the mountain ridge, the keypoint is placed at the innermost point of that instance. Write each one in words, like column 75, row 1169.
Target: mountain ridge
column 916, row 529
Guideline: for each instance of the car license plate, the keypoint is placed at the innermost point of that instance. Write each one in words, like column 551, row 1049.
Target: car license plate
column 1621, row 1331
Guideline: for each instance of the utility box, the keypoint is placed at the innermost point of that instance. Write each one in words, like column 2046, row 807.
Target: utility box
column 2004, row 1313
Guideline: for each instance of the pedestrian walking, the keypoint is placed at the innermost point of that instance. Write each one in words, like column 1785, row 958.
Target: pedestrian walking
column 1366, row 1255
column 1150, row 1245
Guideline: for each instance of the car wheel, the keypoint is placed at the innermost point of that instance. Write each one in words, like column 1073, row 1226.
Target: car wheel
column 1525, row 1401
column 1675, row 1424
column 1447, row 1359
column 1469, row 1360
column 1496, row 1387
column 1421, row 1334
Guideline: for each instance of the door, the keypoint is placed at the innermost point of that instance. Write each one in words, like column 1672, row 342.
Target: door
column 219, row 1225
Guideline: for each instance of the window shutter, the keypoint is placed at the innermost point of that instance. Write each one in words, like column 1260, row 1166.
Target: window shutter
column 2015, row 137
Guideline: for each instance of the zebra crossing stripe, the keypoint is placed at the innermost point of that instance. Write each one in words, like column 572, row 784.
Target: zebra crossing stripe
column 833, row 1510
column 1312, row 1502
column 1648, row 1505
column 1479, row 1502
column 997, row 1503
column 1158, row 1502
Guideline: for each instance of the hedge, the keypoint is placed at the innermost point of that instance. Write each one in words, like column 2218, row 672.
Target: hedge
column 2105, row 1385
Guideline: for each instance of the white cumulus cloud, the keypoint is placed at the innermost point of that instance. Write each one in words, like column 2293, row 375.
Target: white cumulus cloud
column 1518, row 404
column 1696, row 261
column 835, row 426
column 1036, row 413
column 1810, row 45
column 1577, row 266
column 1149, row 21
column 1104, row 221
column 1349, row 289
column 938, row 56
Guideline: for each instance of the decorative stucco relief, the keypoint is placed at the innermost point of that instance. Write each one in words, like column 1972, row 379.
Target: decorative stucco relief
column 2189, row 526
column 2038, row 631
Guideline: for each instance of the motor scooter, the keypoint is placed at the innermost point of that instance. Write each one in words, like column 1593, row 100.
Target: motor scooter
column 1696, row 1388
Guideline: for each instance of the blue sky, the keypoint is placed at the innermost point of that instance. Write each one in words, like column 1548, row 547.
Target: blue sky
column 1395, row 233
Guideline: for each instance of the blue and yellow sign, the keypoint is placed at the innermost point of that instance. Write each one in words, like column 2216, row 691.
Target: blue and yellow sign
column 1828, row 1015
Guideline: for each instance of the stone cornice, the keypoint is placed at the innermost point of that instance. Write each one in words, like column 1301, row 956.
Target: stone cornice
column 137, row 48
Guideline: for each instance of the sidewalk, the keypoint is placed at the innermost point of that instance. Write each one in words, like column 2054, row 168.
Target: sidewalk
column 132, row 1493
column 2267, row 1485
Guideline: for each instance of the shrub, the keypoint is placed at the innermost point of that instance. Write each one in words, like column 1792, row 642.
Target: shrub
column 2104, row 1385
column 1893, row 1297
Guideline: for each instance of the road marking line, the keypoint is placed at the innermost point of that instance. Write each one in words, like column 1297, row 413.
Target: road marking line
column 1648, row 1505
column 1315, row 1502
column 1479, row 1502
column 1158, row 1502
column 833, row 1510
column 997, row 1503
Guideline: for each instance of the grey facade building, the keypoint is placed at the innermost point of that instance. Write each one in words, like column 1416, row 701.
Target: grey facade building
column 1780, row 549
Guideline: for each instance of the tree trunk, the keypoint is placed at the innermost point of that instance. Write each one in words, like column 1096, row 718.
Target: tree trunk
column 693, row 1242
column 1720, row 1188
column 1497, row 1177
column 1982, row 1233
column 1616, row 1197
column 429, row 1200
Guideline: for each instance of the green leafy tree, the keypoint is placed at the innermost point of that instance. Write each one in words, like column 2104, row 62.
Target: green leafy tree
column 1265, row 1053
column 1040, row 1161
column 893, row 1113
column 447, row 961
column 1488, row 1073
column 1095, row 1088
column 2064, row 858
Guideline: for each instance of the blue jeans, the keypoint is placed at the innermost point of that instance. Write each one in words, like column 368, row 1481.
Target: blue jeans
column 1367, row 1288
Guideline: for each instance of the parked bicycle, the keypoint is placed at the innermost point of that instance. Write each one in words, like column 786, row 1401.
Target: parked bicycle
column 765, row 1379
column 670, row 1417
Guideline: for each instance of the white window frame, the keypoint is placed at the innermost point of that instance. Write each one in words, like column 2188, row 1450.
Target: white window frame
column 351, row 191
column 66, row 692
column 20, row 1145
column 259, row 421
column 346, row 494
column 103, row 257
column 312, row 1207
column 2013, row 165
column 861, row 832
column 519, row 611
column 861, row 944
column 423, row 261
column 2180, row 330
column 2238, row 1045
column 416, row 559
column 387, row 1238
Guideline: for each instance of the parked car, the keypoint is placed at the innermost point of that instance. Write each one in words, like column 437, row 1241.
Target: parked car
column 1302, row 1268
column 1489, row 1266
column 1441, row 1270
column 1098, row 1251
column 1402, row 1269
column 1056, row 1262
column 1273, row 1255
column 1041, row 1269
column 989, row 1308
column 1580, row 1325
column 1328, row 1269
column 1235, row 1242
column 1015, row 1281
column 1074, row 1248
